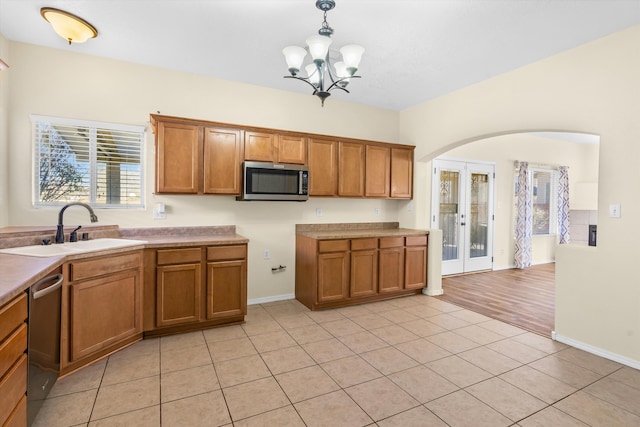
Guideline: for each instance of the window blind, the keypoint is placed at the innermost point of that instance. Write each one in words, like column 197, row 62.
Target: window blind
column 95, row 163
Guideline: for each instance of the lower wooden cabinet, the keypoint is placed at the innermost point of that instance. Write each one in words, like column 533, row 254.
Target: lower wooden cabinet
column 415, row 262
column 195, row 287
column 391, row 264
column 333, row 273
column 101, row 307
column 13, row 362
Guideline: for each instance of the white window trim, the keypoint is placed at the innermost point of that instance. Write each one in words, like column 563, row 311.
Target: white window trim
column 90, row 124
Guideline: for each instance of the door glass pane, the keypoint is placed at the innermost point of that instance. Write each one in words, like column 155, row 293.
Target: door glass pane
column 479, row 217
column 449, row 196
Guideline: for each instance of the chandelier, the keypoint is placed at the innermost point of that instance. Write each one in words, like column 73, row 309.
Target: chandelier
column 320, row 74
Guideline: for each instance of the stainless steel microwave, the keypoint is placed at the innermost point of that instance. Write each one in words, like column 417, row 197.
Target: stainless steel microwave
column 272, row 181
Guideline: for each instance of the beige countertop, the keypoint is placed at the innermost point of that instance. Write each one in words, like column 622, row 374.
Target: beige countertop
column 18, row 272
column 360, row 234
column 355, row 230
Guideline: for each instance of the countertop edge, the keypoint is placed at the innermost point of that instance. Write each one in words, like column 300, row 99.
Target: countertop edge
column 356, row 234
column 33, row 269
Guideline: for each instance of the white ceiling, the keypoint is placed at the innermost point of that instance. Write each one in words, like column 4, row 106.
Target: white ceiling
column 416, row 50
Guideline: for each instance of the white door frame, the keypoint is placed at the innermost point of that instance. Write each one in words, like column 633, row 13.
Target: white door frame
column 464, row 262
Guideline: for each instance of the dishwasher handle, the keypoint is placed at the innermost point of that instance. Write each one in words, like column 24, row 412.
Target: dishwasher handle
column 36, row 292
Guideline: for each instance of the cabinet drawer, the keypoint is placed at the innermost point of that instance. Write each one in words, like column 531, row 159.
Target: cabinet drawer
column 12, row 348
column 179, row 256
column 13, row 386
column 18, row 418
column 97, row 267
column 361, row 244
column 333, row 245
column 391, row 242
column 12, row 315
column 416, row 241
column 223, row 253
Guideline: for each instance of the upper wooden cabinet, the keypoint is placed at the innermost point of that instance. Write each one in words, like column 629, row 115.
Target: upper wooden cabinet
column 202, row 157
column 323, row 167
column 269, row 147
column 292, row 149
column 222, row 160
column 177, row 156
column 351, row 169
column 259, row 146
column 195, row 159
column 377, row 174
column 401, row 173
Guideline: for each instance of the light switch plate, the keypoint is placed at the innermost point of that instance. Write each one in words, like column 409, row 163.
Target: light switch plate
column 318, row 211
column 614, row 211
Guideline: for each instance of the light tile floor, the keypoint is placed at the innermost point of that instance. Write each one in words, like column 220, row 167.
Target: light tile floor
column 412, row 361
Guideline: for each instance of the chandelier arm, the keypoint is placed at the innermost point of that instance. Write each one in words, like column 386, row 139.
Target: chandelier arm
column 334, row 85
column 302, row 79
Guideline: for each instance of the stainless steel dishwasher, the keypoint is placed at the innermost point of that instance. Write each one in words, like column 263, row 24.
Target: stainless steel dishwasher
column 43, row 347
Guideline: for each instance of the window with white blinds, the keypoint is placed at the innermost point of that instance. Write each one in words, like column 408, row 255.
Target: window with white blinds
column 91, row 162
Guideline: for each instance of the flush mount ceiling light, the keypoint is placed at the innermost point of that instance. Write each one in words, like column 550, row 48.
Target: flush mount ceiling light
column 69, row 26
column 320, row 76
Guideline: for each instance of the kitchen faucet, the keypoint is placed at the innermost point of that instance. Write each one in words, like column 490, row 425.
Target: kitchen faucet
column 60, row 228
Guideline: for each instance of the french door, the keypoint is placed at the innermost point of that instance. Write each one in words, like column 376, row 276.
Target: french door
column 462, row 207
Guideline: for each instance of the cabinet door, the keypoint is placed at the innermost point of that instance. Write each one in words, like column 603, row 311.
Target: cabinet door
column 377, row 175
column 103, row 312
column 323, row 167
column 177, row 156
column 222, row 161
column 351, row 169
column 333, row 276
column 259, row 146
column 178, row 290
column 415, row 271
column 391, row 269
column 292, row 149
column 226, row 289
column 401, row 173
column 364, row 272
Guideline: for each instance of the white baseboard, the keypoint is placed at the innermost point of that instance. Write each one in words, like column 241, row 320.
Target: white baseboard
column 595, row 350
column 432, row 293
column 270, row 299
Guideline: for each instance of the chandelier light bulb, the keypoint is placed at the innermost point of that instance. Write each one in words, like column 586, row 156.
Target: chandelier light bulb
column 294, row 55
column 351, row 55
column 312, row 74
column 318, row 47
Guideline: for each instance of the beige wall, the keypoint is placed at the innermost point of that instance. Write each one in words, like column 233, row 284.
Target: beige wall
column 595, row 89
column 4, row 134
column 582, row 160
column 61, row 83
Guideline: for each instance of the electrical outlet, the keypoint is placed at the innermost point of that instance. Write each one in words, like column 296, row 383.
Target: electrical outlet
column 376, row 211
column 159, row 213
column 266, row 254
column 318, row 211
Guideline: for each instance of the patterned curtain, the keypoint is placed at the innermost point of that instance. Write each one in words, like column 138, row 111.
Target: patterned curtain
column 563, row 204
column 524, row 218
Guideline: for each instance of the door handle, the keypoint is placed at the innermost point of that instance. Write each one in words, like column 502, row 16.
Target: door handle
column 462, row 223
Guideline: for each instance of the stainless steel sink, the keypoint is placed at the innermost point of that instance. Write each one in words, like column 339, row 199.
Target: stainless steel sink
column 83, row 246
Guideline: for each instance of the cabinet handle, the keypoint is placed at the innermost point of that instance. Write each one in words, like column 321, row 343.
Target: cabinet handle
column 36, row 292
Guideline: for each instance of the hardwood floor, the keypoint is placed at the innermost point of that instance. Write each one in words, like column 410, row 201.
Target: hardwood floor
column 524, row 298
